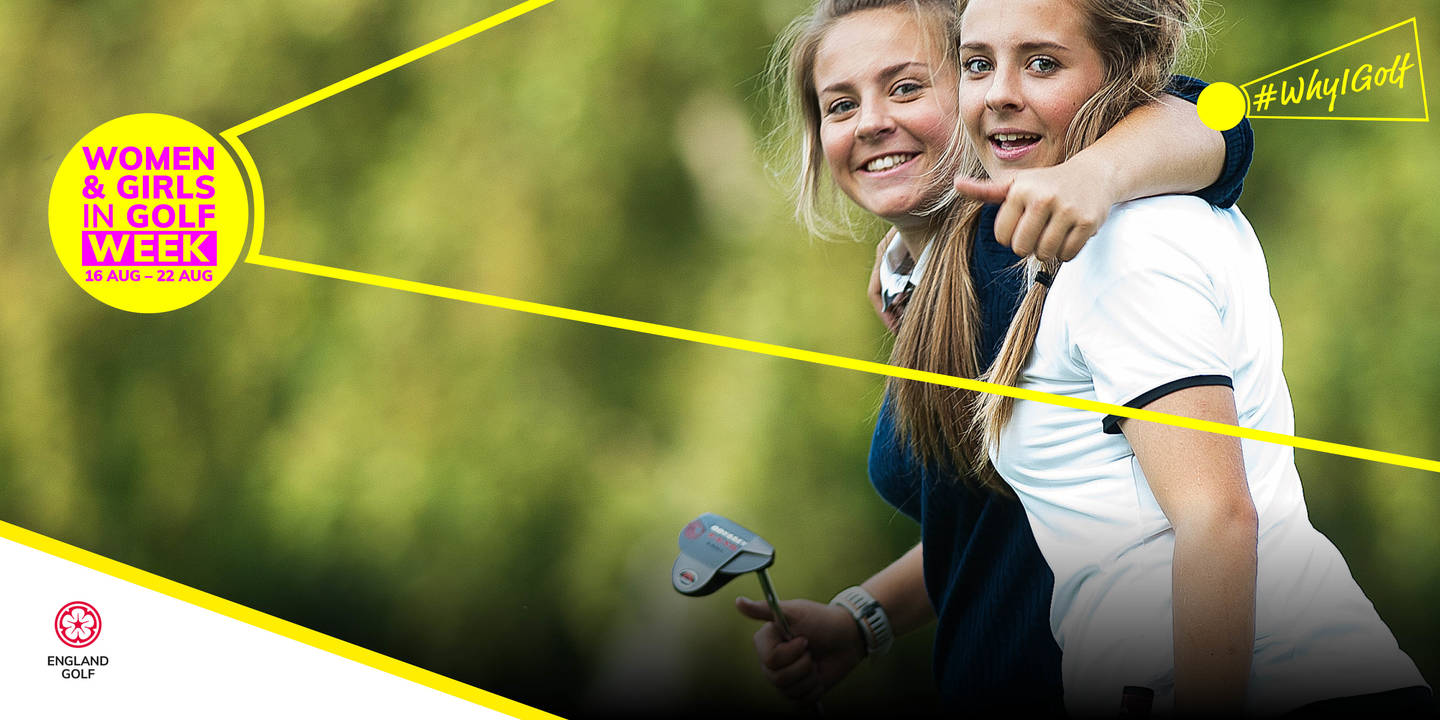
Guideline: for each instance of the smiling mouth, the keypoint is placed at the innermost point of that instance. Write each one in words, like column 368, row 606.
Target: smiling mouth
column 886, row 162
column 1013, row 142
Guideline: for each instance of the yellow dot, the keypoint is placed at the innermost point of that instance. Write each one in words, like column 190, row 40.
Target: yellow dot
column 1222, row 106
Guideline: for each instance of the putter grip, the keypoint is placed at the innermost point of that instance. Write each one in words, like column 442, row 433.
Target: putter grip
column 816, row 709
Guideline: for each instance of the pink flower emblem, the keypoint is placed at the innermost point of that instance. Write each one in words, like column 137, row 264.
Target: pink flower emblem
column 77, row 624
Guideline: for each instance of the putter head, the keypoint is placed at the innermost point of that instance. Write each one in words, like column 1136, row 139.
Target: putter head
column 713, row 550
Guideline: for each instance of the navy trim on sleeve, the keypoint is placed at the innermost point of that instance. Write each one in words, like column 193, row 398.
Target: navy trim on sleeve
column 1239, row 148
column 1111, row 423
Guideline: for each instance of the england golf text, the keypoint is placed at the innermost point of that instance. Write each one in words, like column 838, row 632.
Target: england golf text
column 77, row 667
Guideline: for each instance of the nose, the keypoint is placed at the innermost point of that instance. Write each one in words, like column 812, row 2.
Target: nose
column 875, row 121
column 1004, row 92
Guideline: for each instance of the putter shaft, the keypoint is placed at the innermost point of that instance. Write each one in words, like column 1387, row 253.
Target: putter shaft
column 816, row 709
column 774, row 602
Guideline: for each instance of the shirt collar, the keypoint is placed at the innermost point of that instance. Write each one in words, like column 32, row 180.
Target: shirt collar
column 897, row 272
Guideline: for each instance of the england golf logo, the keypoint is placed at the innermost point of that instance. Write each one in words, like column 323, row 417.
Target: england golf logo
column 77, row 624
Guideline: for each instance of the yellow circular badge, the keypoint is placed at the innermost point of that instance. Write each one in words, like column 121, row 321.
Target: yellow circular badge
column 148, row 213
column 1222, row 106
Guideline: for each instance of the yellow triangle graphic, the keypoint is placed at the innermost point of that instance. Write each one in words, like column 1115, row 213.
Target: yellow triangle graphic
column 1372, row 78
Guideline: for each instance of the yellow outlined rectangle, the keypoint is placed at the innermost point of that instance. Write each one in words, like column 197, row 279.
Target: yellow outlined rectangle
column 1419, row 65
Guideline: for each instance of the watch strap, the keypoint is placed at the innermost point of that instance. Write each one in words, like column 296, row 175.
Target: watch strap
column 874, row 624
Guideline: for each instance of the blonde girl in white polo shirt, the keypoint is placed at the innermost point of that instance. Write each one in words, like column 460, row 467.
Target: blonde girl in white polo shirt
column 1186, row 568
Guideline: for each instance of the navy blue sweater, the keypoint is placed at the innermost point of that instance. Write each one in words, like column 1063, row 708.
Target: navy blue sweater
column 985, row 576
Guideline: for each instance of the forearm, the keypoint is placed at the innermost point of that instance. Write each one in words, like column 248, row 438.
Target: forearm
column 1199, row 481
column 900, row 589
column 1214, row 615
column 1159, row 148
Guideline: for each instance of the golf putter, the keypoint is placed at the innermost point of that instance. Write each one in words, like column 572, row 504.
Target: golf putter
column 713, row 551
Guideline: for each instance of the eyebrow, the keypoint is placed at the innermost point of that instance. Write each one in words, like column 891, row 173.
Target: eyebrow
column 1025, row 46
column 884, row 73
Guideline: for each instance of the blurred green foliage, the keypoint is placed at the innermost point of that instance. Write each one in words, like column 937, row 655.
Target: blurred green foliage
column 495, row 496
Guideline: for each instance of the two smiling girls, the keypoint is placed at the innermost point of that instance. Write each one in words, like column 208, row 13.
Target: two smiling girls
column 1142, row 563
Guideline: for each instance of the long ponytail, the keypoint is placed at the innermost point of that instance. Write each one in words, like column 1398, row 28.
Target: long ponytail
column 939, row 333
column 991, row 411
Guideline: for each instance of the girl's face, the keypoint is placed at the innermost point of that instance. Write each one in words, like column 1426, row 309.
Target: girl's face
column 1026, row 66
column 888, row 110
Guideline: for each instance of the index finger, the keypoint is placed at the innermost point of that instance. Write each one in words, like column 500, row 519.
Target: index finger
column 986, row 191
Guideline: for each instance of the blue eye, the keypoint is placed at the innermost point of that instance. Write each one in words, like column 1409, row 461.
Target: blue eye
column 907, row 87
column 977, row 65
column 1044, row 65
column 840, row 106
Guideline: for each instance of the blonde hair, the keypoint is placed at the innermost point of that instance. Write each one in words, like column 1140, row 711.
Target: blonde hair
column 819, row 209
column 1140, row 42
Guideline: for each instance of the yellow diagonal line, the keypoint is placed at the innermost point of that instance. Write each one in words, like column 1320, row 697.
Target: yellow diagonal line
column 444, row 684
column 251, row 616
column 1338, row 49
column 839, row 361
column 1309, row 117
column 384, row 67
column 1420, row 68
column 255, row 257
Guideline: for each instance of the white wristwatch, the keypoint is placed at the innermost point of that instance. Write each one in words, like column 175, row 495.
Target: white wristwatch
column 870, row 616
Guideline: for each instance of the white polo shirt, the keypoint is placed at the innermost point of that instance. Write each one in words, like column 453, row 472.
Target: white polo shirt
column 1173, row 293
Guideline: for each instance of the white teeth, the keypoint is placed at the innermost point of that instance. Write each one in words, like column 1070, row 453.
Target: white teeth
column 887, row 162
column 1012, row 137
